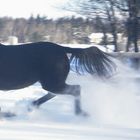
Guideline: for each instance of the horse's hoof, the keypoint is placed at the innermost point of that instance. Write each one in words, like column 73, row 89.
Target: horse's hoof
column 7, row 114
column 29, row 108
column 82, row 113
column 32, row 106
column 85, row 114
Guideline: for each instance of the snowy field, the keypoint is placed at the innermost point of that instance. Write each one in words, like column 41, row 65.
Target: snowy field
column 113, row 105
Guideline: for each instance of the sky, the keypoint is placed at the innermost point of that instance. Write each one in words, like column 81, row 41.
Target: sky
column 26, row 8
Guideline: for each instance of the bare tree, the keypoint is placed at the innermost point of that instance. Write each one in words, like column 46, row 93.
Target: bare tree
column 132, row 24
column 105, row 9
column 131, row 8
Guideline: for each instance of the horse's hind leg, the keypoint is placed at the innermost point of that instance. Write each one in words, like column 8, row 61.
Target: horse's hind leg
column 43, row 99
column 75, row 90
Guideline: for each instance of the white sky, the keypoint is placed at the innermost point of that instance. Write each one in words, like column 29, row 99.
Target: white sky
column 24, row 8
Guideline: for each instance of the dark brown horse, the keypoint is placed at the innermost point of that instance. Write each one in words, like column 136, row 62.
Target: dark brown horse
column 47, row 63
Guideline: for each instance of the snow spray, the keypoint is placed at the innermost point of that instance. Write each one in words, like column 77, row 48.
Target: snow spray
column 113, row 101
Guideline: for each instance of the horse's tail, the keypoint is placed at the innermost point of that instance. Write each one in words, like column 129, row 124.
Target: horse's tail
column 91, row 60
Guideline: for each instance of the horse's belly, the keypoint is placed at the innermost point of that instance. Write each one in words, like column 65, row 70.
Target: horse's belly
column 11, row 85
column 12, row 82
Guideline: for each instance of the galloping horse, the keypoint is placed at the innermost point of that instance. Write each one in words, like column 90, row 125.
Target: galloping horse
column 45, row 62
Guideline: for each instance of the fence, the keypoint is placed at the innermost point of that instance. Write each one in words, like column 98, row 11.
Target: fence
column 122, row 55
column 133, row 57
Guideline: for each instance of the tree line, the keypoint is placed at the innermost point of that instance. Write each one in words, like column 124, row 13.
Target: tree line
column 61, row 30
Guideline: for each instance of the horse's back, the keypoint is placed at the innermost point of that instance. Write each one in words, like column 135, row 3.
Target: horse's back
column 26, row 64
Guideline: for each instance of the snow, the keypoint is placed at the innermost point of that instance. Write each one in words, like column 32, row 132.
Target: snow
column 113, row 106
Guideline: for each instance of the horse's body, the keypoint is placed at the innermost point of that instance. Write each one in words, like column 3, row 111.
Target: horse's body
column 47, row 63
